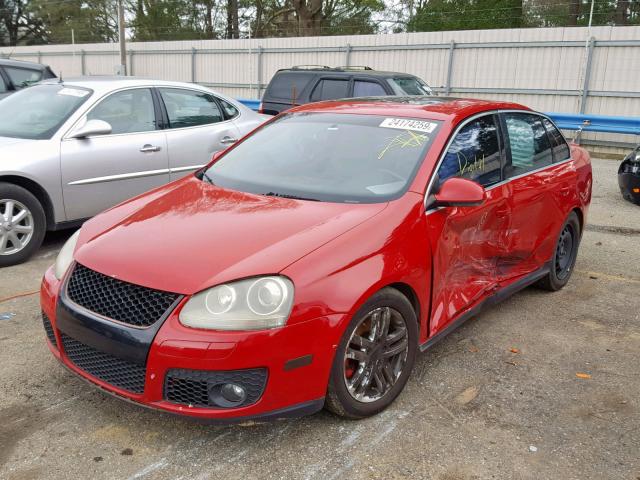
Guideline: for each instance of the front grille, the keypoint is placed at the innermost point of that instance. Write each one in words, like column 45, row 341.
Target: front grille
column 48, row 329
column 192, row 387
column 104, row 366
column 118, row 300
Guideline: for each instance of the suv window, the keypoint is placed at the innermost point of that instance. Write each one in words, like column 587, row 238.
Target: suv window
column 189, row 108
column 474, row 153
column 528, row 142
column 362, row 88
column 330, row 89
column 288, row 86
column 23, row 77
column 559, row 145
column 128, row 111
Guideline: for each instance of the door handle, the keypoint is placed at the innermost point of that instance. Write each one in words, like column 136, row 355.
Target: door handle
column 149, row 148
column 228, row 140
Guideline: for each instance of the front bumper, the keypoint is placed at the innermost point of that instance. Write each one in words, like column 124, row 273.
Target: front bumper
column 297, row 358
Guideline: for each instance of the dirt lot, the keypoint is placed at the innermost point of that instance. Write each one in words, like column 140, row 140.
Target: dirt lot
column 474, row 409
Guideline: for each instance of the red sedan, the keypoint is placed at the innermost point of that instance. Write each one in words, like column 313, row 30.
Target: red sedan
column 307, row 265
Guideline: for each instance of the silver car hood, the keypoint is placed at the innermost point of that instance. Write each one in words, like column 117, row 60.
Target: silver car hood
column 7, row 141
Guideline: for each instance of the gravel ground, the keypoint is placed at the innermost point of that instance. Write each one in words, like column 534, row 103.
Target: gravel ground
column 501, row 398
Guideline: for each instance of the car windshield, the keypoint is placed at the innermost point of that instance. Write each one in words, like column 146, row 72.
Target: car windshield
column 328, row 157
column 37, row 112
column 409, row 86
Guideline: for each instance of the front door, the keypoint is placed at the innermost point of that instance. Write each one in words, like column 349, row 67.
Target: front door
column 468, row 242
column 101, row 171
column 197, row 127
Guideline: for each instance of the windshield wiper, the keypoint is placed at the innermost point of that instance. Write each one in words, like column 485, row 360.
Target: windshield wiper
column 207, row 178
column 294, row 197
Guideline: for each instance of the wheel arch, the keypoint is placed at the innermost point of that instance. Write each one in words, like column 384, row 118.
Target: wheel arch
column 580, row 214
column 410, row 294
column 37, row 191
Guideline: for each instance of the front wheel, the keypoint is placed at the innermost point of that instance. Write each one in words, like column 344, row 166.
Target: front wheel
column 375, row 356
column 564, row 258
column 22, row 224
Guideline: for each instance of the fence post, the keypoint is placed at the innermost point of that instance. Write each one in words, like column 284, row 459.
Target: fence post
column 131, row 52
column 587, row 75
column 347, row 56
column 39, row 56
column 447, row 88
column 259, row 86
column 82, row 66
column 193, row 64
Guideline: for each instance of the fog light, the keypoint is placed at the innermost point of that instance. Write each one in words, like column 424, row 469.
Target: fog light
column 227, row 395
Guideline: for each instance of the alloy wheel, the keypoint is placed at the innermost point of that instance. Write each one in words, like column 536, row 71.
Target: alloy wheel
column 376, row 354
column 16, row 226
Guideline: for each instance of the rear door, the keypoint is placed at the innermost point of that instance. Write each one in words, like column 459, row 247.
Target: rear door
column 366, row 87
column 101, row 171
column 539, row 185
column 330, row 88
column 196, row 127
column 468, row 241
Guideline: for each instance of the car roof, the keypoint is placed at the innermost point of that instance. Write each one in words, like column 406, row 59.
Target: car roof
column 313, row 70
column 108, row 83
column 22, row 64
column 428, row 107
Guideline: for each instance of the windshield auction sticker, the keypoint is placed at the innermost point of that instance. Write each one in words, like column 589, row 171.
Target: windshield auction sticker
column 73, row 92
column 409, row 124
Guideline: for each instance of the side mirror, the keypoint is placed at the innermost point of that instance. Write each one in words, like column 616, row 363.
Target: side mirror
column 92, row 128
column 459, row 192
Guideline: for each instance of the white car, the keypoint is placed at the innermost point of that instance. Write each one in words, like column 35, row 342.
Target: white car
column 70, row 149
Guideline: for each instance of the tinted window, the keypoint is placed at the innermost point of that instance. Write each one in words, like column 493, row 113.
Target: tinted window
column 229, row 109
column 558, row 143
column 22, row 77
column 288, row 86
column 474, row 153
column 188, row 108
column 367, row 89
column 128, row 111
column 3, row 87
column 330, row 89
column 529, row 143
column 38, row 112
column 328, row 157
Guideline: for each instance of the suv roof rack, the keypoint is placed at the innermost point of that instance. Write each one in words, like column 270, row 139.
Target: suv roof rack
column 354, row 67
column 311, row 67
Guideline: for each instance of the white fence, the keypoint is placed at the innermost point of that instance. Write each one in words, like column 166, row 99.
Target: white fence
column 550, row 69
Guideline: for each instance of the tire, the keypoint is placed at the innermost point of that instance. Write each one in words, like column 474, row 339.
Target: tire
column 19, row 239
column 563, row 260
column 373, row 387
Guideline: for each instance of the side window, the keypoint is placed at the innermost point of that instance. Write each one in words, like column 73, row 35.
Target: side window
column 529, row 143
column 128, row 111
column 22, row 77
column 329, row 89
column 288, row 86
column 3, row 87
column 559, row 145
column 367, row 89
column 229, row 110
column 474, row 153
column 189, row 108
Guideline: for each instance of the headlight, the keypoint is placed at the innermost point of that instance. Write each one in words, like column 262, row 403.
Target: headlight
column 253, row 304
column 65, row 257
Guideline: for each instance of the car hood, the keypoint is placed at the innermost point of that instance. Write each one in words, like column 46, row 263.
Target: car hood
column 10, row 141
column 191, row 235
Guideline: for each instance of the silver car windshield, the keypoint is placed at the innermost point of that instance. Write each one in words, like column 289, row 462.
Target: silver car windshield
column 328, row 157
column 37, row 112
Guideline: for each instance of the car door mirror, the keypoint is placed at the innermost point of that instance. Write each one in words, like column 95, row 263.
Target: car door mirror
column 92, row 128
column 459, row 192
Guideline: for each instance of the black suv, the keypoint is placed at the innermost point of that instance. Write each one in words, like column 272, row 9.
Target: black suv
column 312, row 83
column 16, row 74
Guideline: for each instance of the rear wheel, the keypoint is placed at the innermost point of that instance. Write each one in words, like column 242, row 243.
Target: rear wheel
column 22, row 224
column 375, row 356
column 565, row 255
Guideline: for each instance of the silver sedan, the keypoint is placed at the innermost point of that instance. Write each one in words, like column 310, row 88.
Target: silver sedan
column 71, row 149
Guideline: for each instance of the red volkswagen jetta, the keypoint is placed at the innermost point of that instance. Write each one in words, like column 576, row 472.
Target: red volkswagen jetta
column 306, row 265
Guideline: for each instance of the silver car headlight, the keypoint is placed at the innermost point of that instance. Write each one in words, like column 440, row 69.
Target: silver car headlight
column 65, row 257
column 252, row 304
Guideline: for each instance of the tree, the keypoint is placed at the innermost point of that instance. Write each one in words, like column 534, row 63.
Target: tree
column 18, row 25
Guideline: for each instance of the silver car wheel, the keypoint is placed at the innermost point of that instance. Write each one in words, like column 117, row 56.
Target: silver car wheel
column 16, row 226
